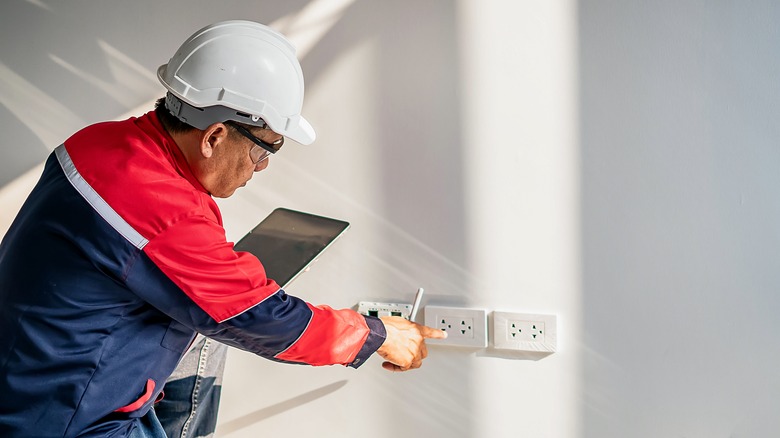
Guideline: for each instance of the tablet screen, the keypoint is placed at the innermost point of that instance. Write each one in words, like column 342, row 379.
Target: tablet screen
column 287, row 241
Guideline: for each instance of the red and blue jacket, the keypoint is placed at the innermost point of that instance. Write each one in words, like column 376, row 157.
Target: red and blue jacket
column 115, row 260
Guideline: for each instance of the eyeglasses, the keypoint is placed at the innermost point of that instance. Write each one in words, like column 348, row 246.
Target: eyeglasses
column 256, row 154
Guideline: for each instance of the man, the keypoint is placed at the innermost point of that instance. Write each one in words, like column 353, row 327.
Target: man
column 118, row 257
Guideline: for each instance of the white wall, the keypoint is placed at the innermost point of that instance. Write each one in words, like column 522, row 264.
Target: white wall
column 609, row 162
column 681, row 206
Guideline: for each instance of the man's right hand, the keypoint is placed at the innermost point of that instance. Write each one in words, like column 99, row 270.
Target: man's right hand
column 404, row 348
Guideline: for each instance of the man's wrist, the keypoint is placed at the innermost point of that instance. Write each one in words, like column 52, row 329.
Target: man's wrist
column 376, row 337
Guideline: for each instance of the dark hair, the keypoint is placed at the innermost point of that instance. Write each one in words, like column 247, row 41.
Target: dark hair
column 171, row 123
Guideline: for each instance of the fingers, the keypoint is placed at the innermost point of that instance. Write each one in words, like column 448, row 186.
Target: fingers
column 398, row 368
column 432, row 333
column 389, row 366
column 404, row 348
column 416, row 361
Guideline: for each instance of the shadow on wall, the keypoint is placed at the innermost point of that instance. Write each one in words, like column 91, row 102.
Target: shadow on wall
column 265, row 413
column 418, row 113
column 680, row 217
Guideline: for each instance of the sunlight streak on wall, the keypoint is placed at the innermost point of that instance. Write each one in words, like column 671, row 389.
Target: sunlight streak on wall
column 522, row 173
column 39, row 4
column 128, row 79
column 48, row 119
column 306, row 27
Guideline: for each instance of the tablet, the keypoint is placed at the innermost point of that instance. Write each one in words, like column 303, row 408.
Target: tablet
column 288, row 241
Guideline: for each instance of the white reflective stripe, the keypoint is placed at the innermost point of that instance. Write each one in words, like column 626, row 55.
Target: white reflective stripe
column 100, row 206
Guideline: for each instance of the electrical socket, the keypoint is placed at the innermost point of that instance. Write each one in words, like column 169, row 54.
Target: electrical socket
column 524, row 332
column 370, row 308
column 464, row 327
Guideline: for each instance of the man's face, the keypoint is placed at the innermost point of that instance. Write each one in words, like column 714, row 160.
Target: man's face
column 233, row 164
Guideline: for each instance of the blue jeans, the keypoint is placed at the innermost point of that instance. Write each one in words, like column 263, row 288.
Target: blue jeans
column 189, row 408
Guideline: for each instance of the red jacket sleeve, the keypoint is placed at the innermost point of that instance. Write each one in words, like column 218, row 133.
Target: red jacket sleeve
column 248, row 309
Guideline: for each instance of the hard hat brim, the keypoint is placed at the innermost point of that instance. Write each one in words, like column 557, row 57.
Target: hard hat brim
column 295, row 128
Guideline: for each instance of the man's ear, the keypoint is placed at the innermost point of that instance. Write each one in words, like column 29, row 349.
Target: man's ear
column 212, row 137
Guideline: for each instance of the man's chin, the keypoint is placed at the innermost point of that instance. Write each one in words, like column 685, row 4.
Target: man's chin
column 230, row 193
column 224, row 195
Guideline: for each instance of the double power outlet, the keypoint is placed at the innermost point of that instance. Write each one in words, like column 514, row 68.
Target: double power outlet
column 524, row 332
column 464, row 327
column 511, row 331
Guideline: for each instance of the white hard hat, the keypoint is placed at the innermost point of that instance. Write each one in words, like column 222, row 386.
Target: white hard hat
column 237, row 70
